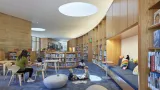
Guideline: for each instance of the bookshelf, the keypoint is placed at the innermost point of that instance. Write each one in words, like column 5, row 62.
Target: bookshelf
column 67, row 59
column 70, row 59
column 85, row 52
column 12, row 55
column 153, row 60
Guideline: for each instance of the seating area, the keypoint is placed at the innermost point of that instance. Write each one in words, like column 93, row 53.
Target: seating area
column 127, row 75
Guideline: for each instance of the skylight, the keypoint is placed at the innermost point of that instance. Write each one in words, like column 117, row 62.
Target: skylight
column 78, row 9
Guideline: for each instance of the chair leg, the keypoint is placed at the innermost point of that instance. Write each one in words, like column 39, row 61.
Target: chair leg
column 36, row 75
column 10, row 80
column 20, row 79
column 6, row 75
column 43, row 75
column 23, row 78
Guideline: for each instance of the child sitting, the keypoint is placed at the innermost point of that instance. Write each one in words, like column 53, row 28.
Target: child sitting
column 81, row 64
column 71, row 76
column 85, row 76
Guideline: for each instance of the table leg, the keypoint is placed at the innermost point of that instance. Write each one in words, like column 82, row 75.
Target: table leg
column 4, row 69
column 55, row 65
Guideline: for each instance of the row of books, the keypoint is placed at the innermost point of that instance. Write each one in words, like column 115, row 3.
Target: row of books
column 154, row 81
column 154, row 61
column 70, row 55
column 54, row 55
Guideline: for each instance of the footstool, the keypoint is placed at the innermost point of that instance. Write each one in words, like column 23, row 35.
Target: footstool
column 55, row 81
column 96, row 87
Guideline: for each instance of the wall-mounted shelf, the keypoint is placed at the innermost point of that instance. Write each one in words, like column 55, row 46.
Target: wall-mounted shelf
column 155, row 6
column 156, row 26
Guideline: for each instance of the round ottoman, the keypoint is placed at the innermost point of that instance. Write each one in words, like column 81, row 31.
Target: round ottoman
column 96, row 87
column 55, row 81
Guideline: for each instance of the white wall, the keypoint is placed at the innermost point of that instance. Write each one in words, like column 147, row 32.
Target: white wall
column 129, row 46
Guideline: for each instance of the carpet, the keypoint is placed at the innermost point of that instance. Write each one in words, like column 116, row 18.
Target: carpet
column 98, row 77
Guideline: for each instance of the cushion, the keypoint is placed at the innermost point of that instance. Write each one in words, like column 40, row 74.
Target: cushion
column 124, row 64
column 120, row 71
column 55, row 81
column 135, row 71
column 131, row 65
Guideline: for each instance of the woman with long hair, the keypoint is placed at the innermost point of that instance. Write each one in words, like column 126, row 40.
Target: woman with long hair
column 22, row 62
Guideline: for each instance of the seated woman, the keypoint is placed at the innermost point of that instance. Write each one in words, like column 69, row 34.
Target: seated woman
column 81, row 64
column 22, row 62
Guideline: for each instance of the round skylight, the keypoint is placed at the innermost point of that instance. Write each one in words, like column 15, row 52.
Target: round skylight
column 78, row 9
column 38, row 29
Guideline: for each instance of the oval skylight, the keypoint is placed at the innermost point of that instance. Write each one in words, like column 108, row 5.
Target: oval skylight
column 38, row 29
column 78, row 9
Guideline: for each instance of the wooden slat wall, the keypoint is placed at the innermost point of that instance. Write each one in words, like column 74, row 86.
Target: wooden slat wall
column 145, row 40
column 14, row 33
column 121, row 15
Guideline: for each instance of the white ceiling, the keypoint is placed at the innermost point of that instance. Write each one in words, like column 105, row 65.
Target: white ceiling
column 46, row 13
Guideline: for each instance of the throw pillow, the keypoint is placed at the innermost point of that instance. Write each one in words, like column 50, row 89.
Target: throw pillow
column 135, row 71
column 124, row 63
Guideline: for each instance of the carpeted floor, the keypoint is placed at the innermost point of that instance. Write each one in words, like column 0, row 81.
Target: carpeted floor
column 98, row 76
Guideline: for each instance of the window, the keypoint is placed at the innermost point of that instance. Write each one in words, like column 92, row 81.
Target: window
column 35, row 44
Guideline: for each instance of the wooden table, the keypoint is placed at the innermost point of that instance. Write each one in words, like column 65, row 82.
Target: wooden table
column 3, row 63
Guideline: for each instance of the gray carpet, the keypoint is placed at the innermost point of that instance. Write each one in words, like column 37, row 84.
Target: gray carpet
column 94, row 70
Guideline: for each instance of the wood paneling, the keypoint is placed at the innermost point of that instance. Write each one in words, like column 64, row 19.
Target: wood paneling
column 109, row 22
column 113, row 50
column 116, row 17
column 14, row 33
column 121, row 15
column 130, row 12
column 2, row 55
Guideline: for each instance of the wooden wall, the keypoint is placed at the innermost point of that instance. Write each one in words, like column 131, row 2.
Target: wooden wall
column 145, row 39
column 121, row 15
column 113, row 50
column 44, row 43
column 14, row 33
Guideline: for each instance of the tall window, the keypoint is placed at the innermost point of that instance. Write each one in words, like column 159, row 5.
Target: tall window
column 35, row 44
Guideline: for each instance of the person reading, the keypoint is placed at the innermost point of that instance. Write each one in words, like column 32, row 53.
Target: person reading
column 22, row 62
column 81, row 64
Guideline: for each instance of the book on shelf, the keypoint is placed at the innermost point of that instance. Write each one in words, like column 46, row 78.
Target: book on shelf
column 154, row 61
column 157, row 17
column 156, row 38
column 154, row 81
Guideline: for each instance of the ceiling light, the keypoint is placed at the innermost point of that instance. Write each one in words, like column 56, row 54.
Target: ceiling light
column 38, row 29
column 78, row 9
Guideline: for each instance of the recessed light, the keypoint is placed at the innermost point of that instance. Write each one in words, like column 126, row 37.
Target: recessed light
column 38, row 29
column 78, row 9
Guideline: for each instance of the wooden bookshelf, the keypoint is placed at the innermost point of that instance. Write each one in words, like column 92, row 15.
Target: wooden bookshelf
column 146, row 20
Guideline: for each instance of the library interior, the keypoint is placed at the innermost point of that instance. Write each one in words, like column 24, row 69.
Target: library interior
column 80, row 44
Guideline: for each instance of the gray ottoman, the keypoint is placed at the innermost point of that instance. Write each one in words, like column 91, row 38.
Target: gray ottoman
column 55, row 81
column 96, row 87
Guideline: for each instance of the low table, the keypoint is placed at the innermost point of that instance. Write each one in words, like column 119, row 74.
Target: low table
column 4, row 67
column 55, row 81
column 96, row 87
